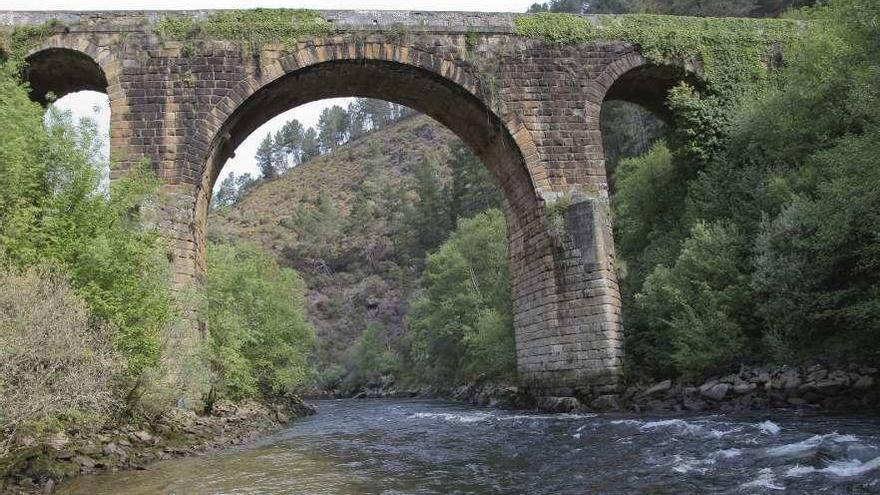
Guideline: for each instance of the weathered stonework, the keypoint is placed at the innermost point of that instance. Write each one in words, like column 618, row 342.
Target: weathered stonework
column 529, row 109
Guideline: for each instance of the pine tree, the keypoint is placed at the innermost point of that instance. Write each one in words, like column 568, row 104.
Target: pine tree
column 265, row 158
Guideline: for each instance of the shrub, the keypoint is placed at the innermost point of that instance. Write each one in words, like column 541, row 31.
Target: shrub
column 55, row 358
column 371, row 358
column 54, row 211
column 693, row 303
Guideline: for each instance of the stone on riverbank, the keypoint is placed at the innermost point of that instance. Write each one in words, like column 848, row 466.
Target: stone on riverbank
column 39, row 464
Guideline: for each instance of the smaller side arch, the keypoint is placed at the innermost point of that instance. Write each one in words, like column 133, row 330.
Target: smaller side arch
column 56, row 72
column 635, row 79
column 70, row 62
column 67, row 63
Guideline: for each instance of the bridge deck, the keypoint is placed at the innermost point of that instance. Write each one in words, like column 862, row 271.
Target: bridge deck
column 345, row 20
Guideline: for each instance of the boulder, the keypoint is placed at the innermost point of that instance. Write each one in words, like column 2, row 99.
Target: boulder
column 630, row 392
column 863, row 382
column 89, row 449
column 64, row 455
column 762, row 377
column 785, row 379
column 114, row 449
column 744, row 388
column 731, row 379
column 558, row 404
column 694, row 404
column 834, row 383
column 706, row 386
column 84, row 461
column 658, row 388
column 57, row 441
column 715, row 392
column 608, row 402
column 815, row 373
column 142, row 436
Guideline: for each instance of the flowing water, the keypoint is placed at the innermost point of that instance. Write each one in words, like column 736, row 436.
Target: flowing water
column 425, row 447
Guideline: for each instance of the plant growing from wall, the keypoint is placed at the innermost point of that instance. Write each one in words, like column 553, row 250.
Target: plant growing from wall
column 732, row 54
column 253, row 28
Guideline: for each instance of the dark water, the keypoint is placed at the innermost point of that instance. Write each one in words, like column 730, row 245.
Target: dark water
column 412, row 446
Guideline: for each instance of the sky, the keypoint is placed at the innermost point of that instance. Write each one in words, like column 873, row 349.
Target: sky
column 85, row 103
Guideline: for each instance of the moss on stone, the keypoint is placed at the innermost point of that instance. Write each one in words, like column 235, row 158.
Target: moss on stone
column 254, row 27
column 15, row 43
column 733, row 53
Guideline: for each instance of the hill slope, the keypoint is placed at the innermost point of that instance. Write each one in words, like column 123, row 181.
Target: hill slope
column 357, row 222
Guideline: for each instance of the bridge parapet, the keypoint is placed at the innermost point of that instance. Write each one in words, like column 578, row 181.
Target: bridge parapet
column 343, row 20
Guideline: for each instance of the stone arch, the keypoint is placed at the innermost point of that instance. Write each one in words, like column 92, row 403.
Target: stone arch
column 632, row 78
column 367, row 69
column 441, row 87
column 635, row 79
column 61, row 71
column 65, row 64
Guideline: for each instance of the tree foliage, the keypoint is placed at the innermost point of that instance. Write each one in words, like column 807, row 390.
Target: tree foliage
column 52, row 211
column 769, row 251
column 371, row 357
column 293, row 144
column 231, row 189
column 260, row 339
column 462, row 326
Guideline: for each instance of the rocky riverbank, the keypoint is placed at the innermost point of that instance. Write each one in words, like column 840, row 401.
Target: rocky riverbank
column 37, row 463
column 852, row 388
column 818, row 387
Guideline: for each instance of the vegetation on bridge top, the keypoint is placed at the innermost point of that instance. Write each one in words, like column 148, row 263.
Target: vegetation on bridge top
column 731, row 52
column 253, row 26
column 15, row 43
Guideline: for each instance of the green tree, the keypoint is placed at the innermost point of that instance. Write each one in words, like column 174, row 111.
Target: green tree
column 371, row 357
column 333, row 128
column 428, row 220
column 569, row 6
column 462, row 327
column 260, row 338
column 628, row 130
column 232, row 189
column 473, row 187
column 52, row 211
column 266, row 157
column 310, row 145
column 319, row 235
column 696, row 305
column 778, row 205
column 289, row 144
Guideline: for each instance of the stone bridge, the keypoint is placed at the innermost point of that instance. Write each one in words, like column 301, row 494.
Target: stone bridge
column 184, row 93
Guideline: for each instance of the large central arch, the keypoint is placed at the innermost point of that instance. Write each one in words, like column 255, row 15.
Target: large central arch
column 438, row 88
column 442, row 99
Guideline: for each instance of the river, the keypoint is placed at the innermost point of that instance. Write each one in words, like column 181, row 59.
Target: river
column 427, row 447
